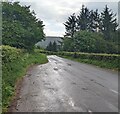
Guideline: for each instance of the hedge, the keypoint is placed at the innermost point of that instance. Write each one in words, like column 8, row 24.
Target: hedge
column 14, row 64
column 101, row 57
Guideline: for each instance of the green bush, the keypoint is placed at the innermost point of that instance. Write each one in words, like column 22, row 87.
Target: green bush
column 9, row 54
column 89, row 42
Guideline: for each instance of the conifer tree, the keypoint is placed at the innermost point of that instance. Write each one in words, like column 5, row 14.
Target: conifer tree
column 70, row 25
column 109, row 23
column 83, row 19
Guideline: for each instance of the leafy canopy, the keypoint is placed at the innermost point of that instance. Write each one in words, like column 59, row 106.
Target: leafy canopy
column 20, row 28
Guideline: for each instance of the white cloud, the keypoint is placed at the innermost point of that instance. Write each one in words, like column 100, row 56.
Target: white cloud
column 55, row 12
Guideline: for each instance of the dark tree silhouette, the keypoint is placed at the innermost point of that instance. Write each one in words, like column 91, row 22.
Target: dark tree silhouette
column 70, row 25
column 109, row 23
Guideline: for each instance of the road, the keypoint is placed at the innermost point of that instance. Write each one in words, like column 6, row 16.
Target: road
column 62, row 85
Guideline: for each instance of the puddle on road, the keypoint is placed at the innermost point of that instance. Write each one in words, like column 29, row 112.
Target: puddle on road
column 84, row 88
column 47, row 83
column 55, row 68
column 74, row 83
column 69, row 64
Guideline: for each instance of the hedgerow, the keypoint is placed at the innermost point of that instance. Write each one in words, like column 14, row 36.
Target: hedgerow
column 111, row 60
column 14, row 65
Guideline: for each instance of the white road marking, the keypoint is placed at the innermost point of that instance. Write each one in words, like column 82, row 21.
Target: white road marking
column 71, row 102
column 90, row 111
column 114, row 91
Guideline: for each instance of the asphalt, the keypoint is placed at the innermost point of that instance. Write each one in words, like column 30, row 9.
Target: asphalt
column 62, row 85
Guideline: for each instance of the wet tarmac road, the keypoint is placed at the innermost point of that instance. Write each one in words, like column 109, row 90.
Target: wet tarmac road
column 62, row 85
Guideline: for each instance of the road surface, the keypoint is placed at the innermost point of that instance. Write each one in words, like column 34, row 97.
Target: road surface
column 62, row 85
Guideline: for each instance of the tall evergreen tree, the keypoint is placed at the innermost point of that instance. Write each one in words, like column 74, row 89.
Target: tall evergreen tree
column 83, row 19
column 94, row 21
column 91, row 21
column 109, row 23
column 70, row 25
column 54, row 46
column 49, row 47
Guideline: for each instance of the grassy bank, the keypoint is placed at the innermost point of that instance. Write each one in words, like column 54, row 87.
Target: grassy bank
column 110, row 61
column 14, row 65
column 103, row 64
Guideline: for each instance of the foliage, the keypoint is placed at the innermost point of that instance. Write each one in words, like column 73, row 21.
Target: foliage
column 68, row 44
column 91, row 20
column 9, row 54
column 100, row 63
column 94, row 24
column 93, row 32
column 88, row 20
column 83, row 19
column 109, row 23
column 70, row 25
column 52, row 46
column 49, row 47
column 20, row 27
column 91, row 42
column 14, row 64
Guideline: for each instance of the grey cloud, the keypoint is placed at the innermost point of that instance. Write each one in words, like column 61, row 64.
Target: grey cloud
column 100, row 6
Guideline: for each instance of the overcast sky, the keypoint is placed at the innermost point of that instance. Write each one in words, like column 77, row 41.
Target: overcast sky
column 54, row 13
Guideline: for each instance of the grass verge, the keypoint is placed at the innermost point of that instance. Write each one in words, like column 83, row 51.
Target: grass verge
column 102, row 63
column 14, row 65
column 104, row 60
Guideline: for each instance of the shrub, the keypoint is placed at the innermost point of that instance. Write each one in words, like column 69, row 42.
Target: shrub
column 89, row 42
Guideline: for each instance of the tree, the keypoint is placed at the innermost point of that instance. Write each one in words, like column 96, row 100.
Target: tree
column 49, row 47
column 94, row 24
column 88, row 20
column 20, row 27
column 94, row 32
column 54, row 46
column 83, row 19
column 91, row 42
column 109, row 24
column 68, row 44
column 70, row 25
